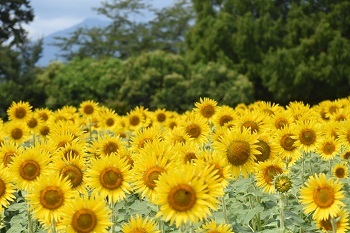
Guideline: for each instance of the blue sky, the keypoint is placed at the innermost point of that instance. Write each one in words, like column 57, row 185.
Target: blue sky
column 55, row 15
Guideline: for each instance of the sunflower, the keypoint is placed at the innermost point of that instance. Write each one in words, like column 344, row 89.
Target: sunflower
column 88, row 108
column 60, row 140
column 86, row 214
column 74, row 148
column 196, row 127
column 44, row 130
column 107, row 144
column 43, row 113
column 286, row 146
column 255, row 121
column 340, row 171
column 7, row 189
column 108, row 119
column 298, row 109
column 74, row 169
column 34, row 123
column 268, row 108
column 172, row 120
column 218, row 132
column 342, row 223
column 110, row 177
column 328, row 147
column 344, row 134
column 48, row 195
column 176, row 135
column 182, row 197
column 144, row 135
column 307, row 133
column 68, row 127
column 212, row 226
column 32, row 163
column 19, row 111
column 221, row 166
column 8, row 150
column 136, row 119
column 345, row 155
column 280, row 119
column 224, row 115
column 16, row 131
column 139, row 224
column 266, row 146
column 186, row 152
column 146, row 170
column 265, row 173
column 341, row 115
column 159, row 116
column 239, row 147
column 206, row 107
column 322, row 196
column 332, row 129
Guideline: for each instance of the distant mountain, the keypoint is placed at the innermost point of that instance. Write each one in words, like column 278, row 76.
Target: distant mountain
column 50, row 52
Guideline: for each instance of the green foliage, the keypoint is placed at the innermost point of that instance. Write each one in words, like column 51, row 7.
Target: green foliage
column 154, row 80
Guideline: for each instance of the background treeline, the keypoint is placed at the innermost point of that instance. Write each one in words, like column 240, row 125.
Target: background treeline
column 230, row 50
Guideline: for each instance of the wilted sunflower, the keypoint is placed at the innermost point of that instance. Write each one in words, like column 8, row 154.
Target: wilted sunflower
column 146, row 170
column 8, row 150
column 213, row 227
column 322, row 196
column 328, row 147
column 182, row 197
column 340, row 171
column 7, row 189
column 86, row 214
column 206, row 107
column 196, row 127
column 48, row 195
column 139, row 224
column 16, row 131
column 342, row 223
column 239, row 147
column 32, row 163
column 19, row 111
column 110, row 177
column 265, row 173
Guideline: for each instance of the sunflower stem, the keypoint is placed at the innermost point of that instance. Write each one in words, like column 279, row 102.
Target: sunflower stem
column 330, row 166
column 182, row 227
column 53, row 226
column 334, row 225
column 191, row 227
column 302, row 167
column 160, row 222
column 30, row 222
column 112, row 206
column 281, row 205
column 224, row 210
column 258, row 218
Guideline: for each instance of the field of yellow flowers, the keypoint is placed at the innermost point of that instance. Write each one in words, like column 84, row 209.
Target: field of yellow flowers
column 260, row 167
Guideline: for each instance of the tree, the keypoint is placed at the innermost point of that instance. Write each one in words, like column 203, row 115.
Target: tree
column 12, row 15
column 126, row 36
column 289, row 49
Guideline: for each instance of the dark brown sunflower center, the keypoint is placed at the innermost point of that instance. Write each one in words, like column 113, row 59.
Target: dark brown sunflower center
column 238, row 152
column 7, row 159
column 323, row 197
column 280, row 123
column 252, row 125
column 16, row 133
column 151, row 175
column 70, row 153
column 207, row 111
column 328, row 148
column 32, row 123
column 74, row 174
column 110, row 122
column 265, row 150
column 346, row 155
column 43, row 116
column 193, row 130
column 110, row 147
column 44, row 130
column 2, row 188
column 172, row 125
column 190, row 156
column 179, row 139
column 89, row 109
column 84, row 221
column 51, row 197
column 29, row 170
column 225, row 119
column 20, row 113
column 161, row 117
column 287, row 143
column 111, row 178
column 270, row 173
column 144, row 141
column 182, row 197
column 340, row 172
column 307, row 137
column 327, row 225
column 134, row 120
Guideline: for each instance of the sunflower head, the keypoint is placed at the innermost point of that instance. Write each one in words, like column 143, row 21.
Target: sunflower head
column 282, row 183
column 19, row 111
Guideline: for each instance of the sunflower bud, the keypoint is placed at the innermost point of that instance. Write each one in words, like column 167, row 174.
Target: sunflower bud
column 282, row 183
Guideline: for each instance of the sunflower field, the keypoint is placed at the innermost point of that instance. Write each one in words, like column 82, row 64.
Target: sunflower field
column 258, row 167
